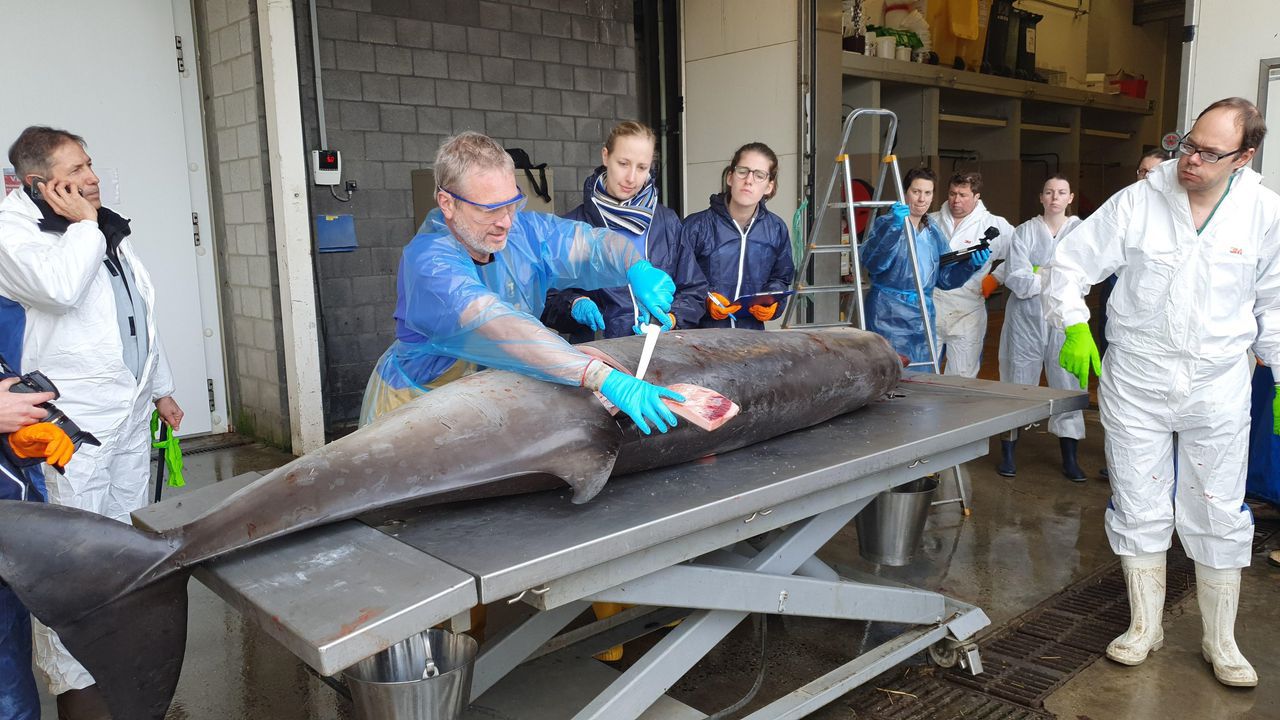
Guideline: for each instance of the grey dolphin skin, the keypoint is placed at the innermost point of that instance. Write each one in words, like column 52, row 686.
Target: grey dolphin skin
column 117, row 595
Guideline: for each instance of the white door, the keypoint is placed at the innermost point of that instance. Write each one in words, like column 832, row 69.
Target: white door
column 109, row 71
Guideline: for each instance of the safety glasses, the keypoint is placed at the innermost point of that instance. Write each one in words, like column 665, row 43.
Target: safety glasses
column 490, row 213
column 1208, row 156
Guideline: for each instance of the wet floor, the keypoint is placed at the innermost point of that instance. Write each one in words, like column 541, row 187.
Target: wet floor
column 1028, row 537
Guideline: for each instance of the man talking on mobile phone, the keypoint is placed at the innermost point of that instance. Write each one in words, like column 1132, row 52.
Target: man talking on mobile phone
column 91, row 328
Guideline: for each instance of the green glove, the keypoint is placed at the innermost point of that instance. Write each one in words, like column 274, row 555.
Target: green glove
column 172, row 452
column 1079, row 352
column 1275, row 410
column 1035, row 268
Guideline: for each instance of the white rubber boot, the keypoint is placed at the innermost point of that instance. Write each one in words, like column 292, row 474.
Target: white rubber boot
column 1219, row 594
column 1144, row 576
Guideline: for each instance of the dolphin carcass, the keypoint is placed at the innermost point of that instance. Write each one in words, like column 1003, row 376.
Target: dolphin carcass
column 117, row 594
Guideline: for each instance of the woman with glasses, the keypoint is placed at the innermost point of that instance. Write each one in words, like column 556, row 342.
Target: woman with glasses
column 621, row 196
column 743, row 249
column 893, row 307
column 1027, row 343
column 473, row 282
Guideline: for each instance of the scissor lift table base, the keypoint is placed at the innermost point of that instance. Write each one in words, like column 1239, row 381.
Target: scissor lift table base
column 676, row 536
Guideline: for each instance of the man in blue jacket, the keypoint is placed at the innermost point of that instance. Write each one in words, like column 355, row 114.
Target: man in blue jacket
column 24, row 443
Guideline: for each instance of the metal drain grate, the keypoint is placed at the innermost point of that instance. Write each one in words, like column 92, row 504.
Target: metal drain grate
column 1031, row 656
column 1262, row 532
column 920, row 695
column 1179, row 578
column 1040, row 651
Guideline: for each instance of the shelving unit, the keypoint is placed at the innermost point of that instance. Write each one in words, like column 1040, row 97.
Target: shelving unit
column 1014, row 132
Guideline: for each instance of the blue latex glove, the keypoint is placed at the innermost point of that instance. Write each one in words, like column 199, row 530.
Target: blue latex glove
column 586, row 312
column 980, row 257
column 654, row 291
column 638, row 329
column 900, row 214
column 641, row 401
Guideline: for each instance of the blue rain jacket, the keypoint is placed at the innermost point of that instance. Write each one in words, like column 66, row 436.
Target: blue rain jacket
column 13, row 322
column 450, row 307
column 1263, row 477
column 18, row 697
column 766, row 264
column 663, row 247
column 892, row 306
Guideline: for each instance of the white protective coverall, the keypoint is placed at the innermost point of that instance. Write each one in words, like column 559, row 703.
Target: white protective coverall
column 1027, row 342
column 1183, row 314
column 72, row 336
column 962, row 312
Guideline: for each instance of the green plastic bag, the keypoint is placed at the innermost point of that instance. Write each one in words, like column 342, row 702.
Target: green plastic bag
column 170, row 448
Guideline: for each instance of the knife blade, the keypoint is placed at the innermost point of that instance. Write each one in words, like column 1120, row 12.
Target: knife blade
column 651, row 333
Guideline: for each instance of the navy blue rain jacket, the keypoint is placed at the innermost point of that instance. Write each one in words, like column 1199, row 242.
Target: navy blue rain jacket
column 665, row 250
column 18, row 697
column 717, row 244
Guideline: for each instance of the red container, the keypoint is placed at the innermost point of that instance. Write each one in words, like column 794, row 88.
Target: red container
column 1133, row 88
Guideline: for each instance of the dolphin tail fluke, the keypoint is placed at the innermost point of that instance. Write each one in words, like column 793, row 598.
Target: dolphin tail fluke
column 109, row 590
column 134, row 647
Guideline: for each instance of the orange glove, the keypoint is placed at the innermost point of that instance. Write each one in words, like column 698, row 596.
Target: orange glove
column 989, row 285
column 43, row 440
column 763, row 312
column 724, row 309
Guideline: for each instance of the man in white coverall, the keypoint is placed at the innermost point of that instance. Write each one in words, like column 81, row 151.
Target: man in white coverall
column 91, row 329
column 1197, row 251
column 962, row 312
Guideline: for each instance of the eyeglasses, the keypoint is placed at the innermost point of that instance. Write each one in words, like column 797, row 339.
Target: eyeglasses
column 742, row 171
column 490, row 213
column 1208, row 156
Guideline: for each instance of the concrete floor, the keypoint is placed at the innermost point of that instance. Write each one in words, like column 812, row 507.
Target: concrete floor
column 1028, row 538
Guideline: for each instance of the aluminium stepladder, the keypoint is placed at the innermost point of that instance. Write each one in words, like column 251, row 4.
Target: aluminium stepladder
column 842, row 170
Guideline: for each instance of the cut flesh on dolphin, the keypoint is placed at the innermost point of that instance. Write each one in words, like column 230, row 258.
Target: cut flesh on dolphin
column 117, row 594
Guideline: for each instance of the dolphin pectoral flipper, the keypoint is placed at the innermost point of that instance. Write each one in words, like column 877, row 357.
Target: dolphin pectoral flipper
column 587, row 469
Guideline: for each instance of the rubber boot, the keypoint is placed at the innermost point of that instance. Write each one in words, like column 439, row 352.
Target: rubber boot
column 1219, row 595
column 1006, row 468
column 607, row 610
column 1144, row 577
column 85, row 704
column 1070, row 468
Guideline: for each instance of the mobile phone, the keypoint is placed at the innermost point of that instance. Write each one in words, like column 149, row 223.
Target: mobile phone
column 35, row 191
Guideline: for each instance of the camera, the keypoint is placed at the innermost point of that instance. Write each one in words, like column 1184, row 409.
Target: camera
column 37, row 382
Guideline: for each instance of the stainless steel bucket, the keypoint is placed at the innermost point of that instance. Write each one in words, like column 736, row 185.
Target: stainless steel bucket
column 391, row 686
column 891, row 526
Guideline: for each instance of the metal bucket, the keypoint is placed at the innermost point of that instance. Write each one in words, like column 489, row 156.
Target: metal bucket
column 391, row 686
column 891, row 526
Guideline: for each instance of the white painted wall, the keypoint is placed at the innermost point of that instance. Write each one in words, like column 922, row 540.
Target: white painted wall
column 1232, row 37
column 741, row 85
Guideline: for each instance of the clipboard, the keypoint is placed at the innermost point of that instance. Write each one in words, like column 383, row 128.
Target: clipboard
column 763, row 298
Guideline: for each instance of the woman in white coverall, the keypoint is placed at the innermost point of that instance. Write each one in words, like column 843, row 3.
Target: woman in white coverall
column 962, row 312
column 1197, row 251
column 1027, row 343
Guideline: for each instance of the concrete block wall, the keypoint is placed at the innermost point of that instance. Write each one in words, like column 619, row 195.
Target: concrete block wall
column 231, row 77
column 549, row 76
